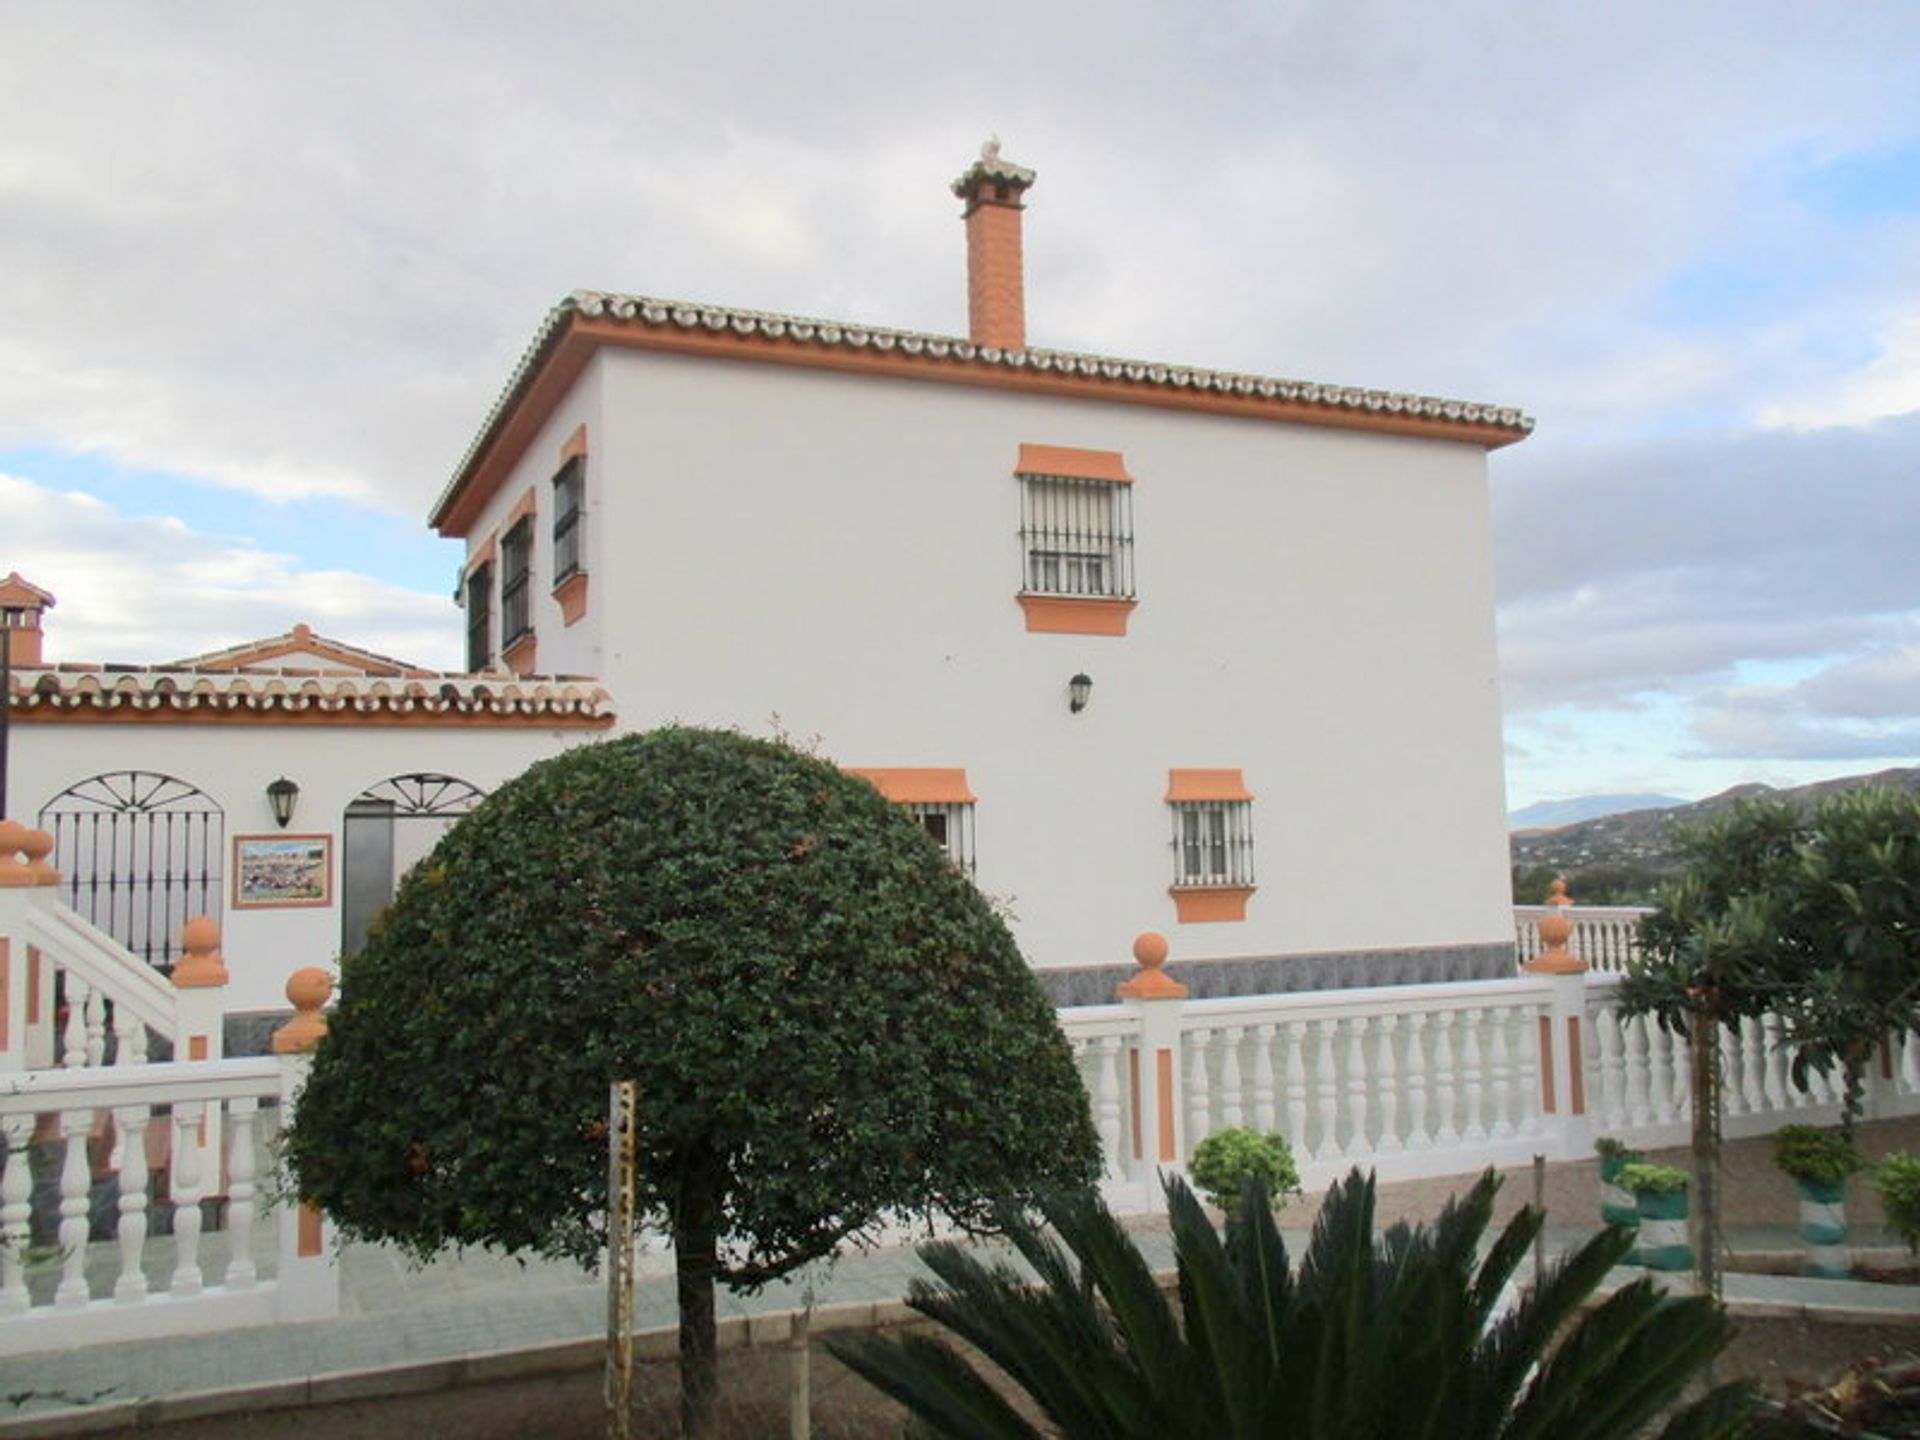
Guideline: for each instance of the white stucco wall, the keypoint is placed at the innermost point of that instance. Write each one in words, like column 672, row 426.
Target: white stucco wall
column 233, row 764
column 841, row 552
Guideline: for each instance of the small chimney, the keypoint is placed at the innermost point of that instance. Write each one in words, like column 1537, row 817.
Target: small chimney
column 21, row 606
column 996, row 287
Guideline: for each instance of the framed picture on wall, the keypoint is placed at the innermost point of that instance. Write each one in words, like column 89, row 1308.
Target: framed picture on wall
column 274, row 871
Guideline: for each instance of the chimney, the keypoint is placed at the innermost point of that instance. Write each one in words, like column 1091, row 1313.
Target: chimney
column 996, row 290
column 21, row 606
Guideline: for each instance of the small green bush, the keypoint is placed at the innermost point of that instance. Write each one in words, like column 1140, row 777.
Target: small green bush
column 1610, row 1149
column 1227, row 1159
column 1654, row 1179
column 1806, row 1152
column 1897, row 1178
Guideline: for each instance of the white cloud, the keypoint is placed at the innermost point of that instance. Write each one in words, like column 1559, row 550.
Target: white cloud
column 144, row 590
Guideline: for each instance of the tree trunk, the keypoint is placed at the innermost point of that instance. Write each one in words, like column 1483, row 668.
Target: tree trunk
column 1706, row 1143
column 696, row 1261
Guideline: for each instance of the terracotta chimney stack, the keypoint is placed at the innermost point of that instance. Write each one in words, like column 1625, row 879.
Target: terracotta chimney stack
column 21, row 606
column 996, row 287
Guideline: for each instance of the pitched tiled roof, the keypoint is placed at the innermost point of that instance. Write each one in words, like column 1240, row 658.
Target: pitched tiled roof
column 300, row 640
column 305, row 694
column 768, row 335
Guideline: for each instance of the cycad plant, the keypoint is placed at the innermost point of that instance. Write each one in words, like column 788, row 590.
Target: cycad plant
column 1416, row 1333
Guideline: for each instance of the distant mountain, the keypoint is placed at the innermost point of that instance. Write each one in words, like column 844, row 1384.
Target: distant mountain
column 1642, row 839
column 1585, row 807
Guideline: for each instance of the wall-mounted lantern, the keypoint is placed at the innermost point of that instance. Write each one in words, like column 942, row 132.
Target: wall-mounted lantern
column 281, row 795
column 1079, row 691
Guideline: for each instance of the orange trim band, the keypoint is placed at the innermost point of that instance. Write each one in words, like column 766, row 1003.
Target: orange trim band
column 1076, row 614
column 527, row 504
column 521, row 657
column 483, row 556
column 1546, row 1065
column 33, row 985
column 1133, row 1093
column 576, row 445
column 311, row 1233
column 1210, row 904
column 6, row 979
column 918, row 784
column 197, row 1047
column 1169, row 1149
column 571, row 596
column 1578, row 1084
column 1073, row 464
column 405, row 719
column 1187, row 786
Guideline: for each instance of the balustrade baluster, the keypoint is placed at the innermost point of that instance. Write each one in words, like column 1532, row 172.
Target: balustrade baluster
column 1639, row 1110
column 1266, row 1113
column 1443, row 1077
column 186, row 1198
column 1733, row 1099
column 129, row 1037
column 1358, row 1084
column 1473, row 1079
column 1613, row 1103
column 1417, row 1137
column 1386, row 1076
column 1529, row 1065
column 1233, row 1108
column 1107, row 1099
column 96, row 1011
column 1909, row 1064
column 130, row 1130
column 1659, row 1072
column 73, row 1035
column 16, row 1213
column 1500, row 1068
column 1774, row 1082
column 1199, row 1088
column 1326, row 1090
column 240, row 1204
column 1753, row 1074
column 1682, row 1074
column 76, row 1183
column 1296, row 1073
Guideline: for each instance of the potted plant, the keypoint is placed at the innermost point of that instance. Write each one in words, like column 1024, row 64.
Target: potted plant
column 1227, row 1159
column 1616, row 1201
column 1660, row 1196
column 1897, row 1178
column 1820, row 1162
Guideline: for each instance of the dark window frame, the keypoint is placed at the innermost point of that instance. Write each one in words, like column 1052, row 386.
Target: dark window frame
column 479, row 603
column 569, row 511
column 1076, row 537
column 516, row 582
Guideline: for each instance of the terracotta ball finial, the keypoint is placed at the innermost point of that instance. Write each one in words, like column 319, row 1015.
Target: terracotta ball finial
column 38, row 846
column 1556, row 929
column 1152, row 983
column 13, row 870
column 202, row 967
column 309, row 989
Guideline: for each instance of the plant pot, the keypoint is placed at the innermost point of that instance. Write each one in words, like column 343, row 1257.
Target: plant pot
column 1823, row 1228
column 1663, row 1231
column 1616, row 1201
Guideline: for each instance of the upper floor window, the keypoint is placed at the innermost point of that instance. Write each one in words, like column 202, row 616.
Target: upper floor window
column 480, row 617
column 516, row 568
column 1076, row 522
column 569, row 490
column 950, row 823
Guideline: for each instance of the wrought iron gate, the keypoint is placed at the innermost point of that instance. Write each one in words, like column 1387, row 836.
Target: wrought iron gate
column 139, row 854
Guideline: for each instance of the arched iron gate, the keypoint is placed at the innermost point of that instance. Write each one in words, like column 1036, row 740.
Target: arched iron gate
column 139, row 854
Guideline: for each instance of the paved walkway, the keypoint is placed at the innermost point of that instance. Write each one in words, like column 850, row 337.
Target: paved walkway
column 406, row 1328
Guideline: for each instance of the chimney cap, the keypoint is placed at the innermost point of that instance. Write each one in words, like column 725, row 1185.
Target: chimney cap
column 1006, row 179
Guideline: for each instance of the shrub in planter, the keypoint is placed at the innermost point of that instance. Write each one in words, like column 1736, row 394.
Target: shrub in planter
column 1660, row 1192
column 1226, row 1160
column 1616, row 1201
column 1897, row 1178
column 1819, row 1161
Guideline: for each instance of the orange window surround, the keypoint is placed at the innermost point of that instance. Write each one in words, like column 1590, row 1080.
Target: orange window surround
column 918, row 784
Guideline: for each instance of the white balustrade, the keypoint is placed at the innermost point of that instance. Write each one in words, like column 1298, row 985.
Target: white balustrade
column 1605, row 936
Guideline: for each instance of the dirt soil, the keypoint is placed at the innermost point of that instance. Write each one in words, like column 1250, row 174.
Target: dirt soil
column 753, row 1396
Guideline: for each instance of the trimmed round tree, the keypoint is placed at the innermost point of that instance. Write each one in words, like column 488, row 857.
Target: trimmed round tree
column 828, row 1024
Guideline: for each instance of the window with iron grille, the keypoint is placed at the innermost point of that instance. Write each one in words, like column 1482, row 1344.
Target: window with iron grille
column 1213, row 842
column 480, row 617
column 516, row 565
column 1077, row 535
column 951, row 826
column 569, row 488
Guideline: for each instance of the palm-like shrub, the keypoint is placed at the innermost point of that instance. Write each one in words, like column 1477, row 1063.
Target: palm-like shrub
column 1404, row 1335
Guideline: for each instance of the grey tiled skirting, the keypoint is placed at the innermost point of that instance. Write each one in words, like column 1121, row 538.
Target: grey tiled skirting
column 1278, row 974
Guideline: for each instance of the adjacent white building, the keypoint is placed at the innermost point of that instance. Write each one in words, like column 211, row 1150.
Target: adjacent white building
column 1148, row 646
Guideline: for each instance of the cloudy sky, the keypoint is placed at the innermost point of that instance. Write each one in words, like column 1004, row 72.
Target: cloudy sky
column 264, row 268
